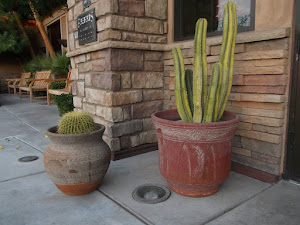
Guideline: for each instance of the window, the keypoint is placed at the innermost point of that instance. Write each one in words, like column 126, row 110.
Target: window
column 187, row 12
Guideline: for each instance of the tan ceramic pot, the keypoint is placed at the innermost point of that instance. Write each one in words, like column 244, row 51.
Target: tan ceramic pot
column 77, row 163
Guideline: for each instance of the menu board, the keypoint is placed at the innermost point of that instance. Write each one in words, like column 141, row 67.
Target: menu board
column 87, row 27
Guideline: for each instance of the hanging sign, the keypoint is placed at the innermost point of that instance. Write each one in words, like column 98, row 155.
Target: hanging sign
column 87, row 27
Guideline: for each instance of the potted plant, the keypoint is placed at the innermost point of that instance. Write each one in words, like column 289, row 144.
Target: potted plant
column 195, row 153
column 77, row 158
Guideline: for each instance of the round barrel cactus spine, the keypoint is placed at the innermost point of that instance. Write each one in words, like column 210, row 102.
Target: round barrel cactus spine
column 76, row 123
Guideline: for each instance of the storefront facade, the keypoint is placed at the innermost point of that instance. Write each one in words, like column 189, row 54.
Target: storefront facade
column 126, row 74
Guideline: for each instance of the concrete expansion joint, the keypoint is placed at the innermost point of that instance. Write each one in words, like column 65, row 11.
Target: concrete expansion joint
column 128, row 209
column 19, row 139
column 20, row 119
column 15, row 178
column 241, row 203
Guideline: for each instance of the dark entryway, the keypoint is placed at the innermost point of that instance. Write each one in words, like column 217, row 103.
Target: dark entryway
column 293, row 156
column 54, row 34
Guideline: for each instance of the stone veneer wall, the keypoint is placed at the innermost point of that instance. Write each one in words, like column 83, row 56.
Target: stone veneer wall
column 119, row 78
column 259, row 94
column 127, row 74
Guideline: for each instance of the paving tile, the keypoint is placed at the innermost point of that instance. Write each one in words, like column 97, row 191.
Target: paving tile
column 38, row 140
column 38, row 114
column 10, row 126
column 125, row 175
column 10, row 99
column 277, row 205
column 10, row 167
column 35, row 200
column 40, row 117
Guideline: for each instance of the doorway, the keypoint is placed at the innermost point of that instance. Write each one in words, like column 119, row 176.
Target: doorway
column 54, row 34
column 293, row 154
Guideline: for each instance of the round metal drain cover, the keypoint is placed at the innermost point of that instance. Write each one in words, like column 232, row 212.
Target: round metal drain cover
column 28, row 158
column 151, row 193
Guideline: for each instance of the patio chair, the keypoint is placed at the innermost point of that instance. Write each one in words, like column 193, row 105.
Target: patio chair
column 36, row 84
column 66, row 90
column 16, row 83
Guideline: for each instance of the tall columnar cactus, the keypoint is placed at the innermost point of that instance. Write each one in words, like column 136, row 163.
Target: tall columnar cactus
column 195, row 103
column 76, row 123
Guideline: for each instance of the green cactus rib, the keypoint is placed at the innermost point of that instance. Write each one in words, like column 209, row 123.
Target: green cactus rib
column 216, row 106
column 225, row 33
column 194, row 102
column 76, row 123
column 204, row 66
column 234, row 27
column 226, row 61
column 183, row 90
column 198, row 72
column 178, row 96
column 221, row 59
column 209, row 112
column 189, row 88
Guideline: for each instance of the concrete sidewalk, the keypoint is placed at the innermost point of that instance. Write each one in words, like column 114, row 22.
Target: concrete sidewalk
column 27, row 195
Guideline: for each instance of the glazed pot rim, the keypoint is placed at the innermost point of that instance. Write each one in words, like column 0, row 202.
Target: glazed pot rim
column 157, row 117
column 99, row 128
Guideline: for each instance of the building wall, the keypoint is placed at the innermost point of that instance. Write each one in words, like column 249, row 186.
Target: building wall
column 127, row 74
column 119, row 78
column 258, row 94
column 273, row 14
column 10, row 68
column 269, row 15
column 60, row 14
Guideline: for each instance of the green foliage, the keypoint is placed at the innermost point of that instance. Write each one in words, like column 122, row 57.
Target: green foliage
column 39, row 63
column 195, row 101
column 76, row 123
column 58, row 85
column 59, row 65
column 11, row 40
column 64, row 102
column 44, row 8
column 20, row 6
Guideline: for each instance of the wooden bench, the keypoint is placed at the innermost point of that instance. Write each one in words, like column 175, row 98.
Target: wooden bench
column 66, row 90
column 39, row 83
column 16, row 83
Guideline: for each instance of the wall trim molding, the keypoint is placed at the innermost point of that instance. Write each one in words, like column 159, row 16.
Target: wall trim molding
column 125, row 153
column 245, row 37
column 254, row 173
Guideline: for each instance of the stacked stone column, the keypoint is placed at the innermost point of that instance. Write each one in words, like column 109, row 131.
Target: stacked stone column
column 119, row 78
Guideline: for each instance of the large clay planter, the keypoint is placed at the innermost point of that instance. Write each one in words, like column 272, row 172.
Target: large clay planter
column 77, row 163
column 195, row 158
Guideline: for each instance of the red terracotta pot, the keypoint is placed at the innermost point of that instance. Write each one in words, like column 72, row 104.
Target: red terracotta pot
column 195, row 158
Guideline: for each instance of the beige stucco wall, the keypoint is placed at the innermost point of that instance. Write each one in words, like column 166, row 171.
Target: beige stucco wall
column 273, row 14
